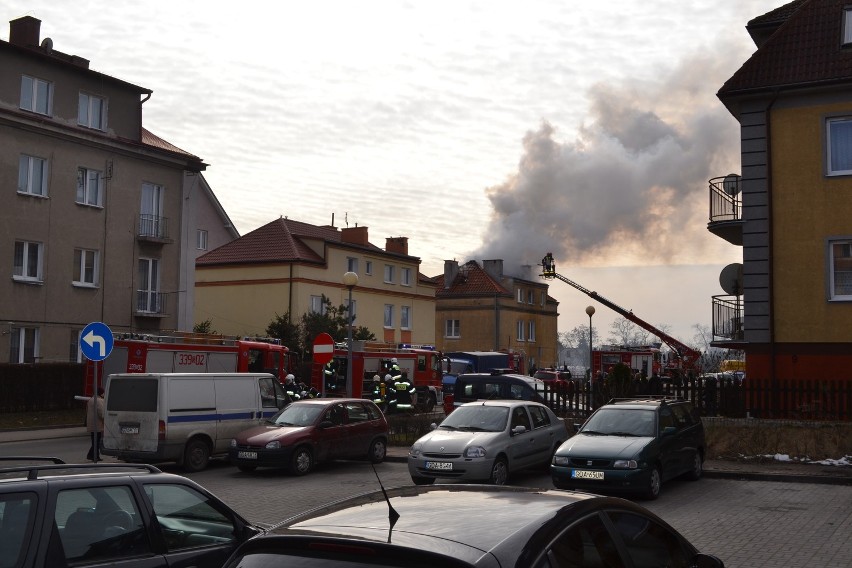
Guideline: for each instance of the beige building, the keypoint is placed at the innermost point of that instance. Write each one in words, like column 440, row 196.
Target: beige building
column 287, row 266
column 106, row 219
column 480, row 308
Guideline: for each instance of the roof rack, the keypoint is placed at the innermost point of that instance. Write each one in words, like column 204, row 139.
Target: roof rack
column 33, row 470
column 648, row 398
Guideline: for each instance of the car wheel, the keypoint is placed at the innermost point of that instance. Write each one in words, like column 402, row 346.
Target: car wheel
column 423, row 480
column 302, row 461
column 378, row 450
column 247, row 468
column 655, row 482
column 196, row 455
column 694, row 474
column 499, row 471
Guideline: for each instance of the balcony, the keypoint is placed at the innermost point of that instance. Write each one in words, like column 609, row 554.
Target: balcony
column 728, row 327
column 726, row 208
column 153, row 229
column 150, row 304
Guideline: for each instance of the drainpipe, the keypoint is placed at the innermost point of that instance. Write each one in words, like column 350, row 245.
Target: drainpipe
column 496, row 321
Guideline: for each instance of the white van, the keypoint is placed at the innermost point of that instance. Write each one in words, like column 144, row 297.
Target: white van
column 184, row 417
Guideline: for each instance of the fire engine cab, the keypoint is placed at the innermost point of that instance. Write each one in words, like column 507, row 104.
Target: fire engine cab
column 420, row 363
column 646, row 359
column 182, row 352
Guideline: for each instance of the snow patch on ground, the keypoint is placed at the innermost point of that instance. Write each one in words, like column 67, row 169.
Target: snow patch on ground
column 844, row 461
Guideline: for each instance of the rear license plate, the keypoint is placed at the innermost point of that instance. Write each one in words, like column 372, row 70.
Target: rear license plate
column 439, row 465
column 130, row 429
column 583, row 474
column 247, row 455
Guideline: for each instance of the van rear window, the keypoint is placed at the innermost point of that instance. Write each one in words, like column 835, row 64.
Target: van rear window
column 134, row 395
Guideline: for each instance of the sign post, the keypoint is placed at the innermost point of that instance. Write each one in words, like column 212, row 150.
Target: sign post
column 323, row 353
column 96, row 343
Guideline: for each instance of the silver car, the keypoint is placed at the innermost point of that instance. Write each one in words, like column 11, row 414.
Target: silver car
column 487, row 440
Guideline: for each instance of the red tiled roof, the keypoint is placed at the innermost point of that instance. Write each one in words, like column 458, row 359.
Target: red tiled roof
column 152, row 139
column 804, row 51
column 277, row 241
column 471, row 280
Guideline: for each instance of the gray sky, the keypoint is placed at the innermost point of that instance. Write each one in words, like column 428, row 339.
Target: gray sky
column 479, row 130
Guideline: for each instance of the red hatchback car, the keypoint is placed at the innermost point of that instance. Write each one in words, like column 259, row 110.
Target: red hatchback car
column 307, row 432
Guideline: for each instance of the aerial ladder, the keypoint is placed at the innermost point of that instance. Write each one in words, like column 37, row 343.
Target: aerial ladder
column 687, row 359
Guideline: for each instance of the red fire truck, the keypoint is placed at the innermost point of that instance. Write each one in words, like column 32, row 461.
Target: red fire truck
column 422, row 365
column 646, row 359
column 182, row 352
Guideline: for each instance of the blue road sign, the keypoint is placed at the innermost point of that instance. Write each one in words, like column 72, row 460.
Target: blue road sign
column 96, row 341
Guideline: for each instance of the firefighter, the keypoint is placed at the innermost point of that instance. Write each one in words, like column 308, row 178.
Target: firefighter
column 330, row 375
column 291, row 388
column 390, row 393
column 547, row 264
column 379, row 392
column 404, row 392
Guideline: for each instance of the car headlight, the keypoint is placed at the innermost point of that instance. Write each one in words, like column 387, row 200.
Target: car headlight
column 233, row 442
column 625, row 464
column 415, row 450
column 561, row 460
column 273, row 445
column 474, row 452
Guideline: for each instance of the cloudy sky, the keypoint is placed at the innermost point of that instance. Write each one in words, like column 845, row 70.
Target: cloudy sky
column 492, row 129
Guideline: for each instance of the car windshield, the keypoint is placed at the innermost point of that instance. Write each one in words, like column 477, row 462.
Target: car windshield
column 477, row 418
column 621, row 422
column 298, row 415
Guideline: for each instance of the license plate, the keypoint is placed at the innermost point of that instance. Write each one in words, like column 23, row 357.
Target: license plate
column 130, row 429
column 247, row 455
column 584, row 474
column 439, row 465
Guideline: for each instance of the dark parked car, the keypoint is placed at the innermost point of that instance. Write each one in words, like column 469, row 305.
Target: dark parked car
column 451, row 526
column 54, row 515
column 311, row 431
column 495, row 385
column 632, row 445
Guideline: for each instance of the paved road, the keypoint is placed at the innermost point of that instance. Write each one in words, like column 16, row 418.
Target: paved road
column 746, row 523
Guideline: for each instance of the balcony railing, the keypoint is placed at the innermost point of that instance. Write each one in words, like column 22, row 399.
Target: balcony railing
column 149, row 303
column 153, row 228
column 726, row 208
column 728, row 318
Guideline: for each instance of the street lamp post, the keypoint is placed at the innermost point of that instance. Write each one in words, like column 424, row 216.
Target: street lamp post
column 350, row 280
column 590, row 310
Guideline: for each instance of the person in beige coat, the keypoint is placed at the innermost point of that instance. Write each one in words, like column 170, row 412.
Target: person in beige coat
column 95, row 423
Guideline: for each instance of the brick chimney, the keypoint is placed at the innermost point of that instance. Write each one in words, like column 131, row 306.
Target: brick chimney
column 398, row 245
column 25, row 31
column 494, row 268
column 451, row 270
column 354, row 236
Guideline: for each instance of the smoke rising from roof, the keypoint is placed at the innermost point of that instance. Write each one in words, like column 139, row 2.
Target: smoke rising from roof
column 631, row 188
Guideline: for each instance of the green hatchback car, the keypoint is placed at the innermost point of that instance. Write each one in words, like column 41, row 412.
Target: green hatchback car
column 632, row 445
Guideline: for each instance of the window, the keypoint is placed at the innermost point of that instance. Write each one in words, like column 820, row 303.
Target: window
column 86, row 267
column 530, row 296
column 91, row 111
column 539, row 415
column 151, row 221
column 520, row 296
column 405, row 276
column 354, row 310
column 368, row 267
column 388, row 320
column 543, row 298
column 847, row 26
column 90, row 184
column 318, row 305
column 36, row 95
column 839, row 135
column 182, row 509
column 647, row 543
column 24, row 345
column 17, row 522
column 520, row 330
column 32, row 175
column 452, row 329
column 840, row 269
column 148, row 297
column 389, row 273
column 405, row 317
column 352, row 265
column 28, row 261
column 201, row 239
column 531, row 334
column 75, row 354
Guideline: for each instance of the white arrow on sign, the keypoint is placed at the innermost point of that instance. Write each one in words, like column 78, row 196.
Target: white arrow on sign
column 91, row 339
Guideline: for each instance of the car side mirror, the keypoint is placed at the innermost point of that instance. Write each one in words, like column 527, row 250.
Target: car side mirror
column 519, row 430
column 669, row 430
column 326, row 424
column 707, row 561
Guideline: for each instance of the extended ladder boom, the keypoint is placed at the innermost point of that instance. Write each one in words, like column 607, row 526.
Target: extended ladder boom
column 686, row 354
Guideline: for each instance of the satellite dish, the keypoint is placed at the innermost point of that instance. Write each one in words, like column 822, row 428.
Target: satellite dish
column 731, row 279
column 731, row 184
column 47, row 44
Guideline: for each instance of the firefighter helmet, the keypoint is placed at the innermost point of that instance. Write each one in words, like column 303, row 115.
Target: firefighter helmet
column 289, row 378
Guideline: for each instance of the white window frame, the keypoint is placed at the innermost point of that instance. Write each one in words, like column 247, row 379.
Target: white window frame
column 91, row 111
column 85, row 259
column 90, row 187
column 543, row 298
column 833, row 169
column 27, row 165
column 352, row 264
column 28, row 269
column 530, row 297
column 389, row 273
column 148, row 287
column 846, row 38
column 151, row 221
column 452, row 328
column 368, row 267
column 405, row 276
column 520, row 330
column 36, row 95
column 201, row 237
column 839, row 291
column 387, row 320
column 20, row 335
column 317, row 305
column 520, row 296
column 405, row 317
column 531, row 331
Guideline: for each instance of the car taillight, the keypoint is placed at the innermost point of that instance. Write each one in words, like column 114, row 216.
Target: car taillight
column 161, row 430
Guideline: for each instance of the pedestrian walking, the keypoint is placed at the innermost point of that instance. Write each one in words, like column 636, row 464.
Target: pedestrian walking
column 95, row 424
